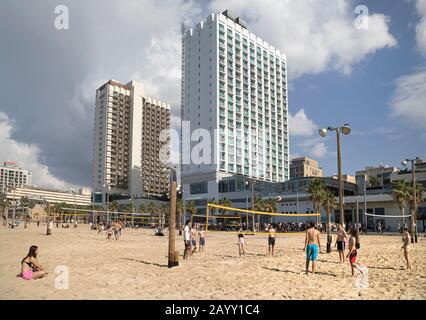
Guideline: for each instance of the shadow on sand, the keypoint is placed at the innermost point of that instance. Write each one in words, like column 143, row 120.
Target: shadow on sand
column 147, row 263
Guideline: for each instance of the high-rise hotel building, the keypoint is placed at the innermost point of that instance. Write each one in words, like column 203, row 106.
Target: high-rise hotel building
column 127, row 142
column 234, row 86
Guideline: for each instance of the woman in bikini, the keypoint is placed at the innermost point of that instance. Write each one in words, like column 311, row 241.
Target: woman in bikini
column 30, row 267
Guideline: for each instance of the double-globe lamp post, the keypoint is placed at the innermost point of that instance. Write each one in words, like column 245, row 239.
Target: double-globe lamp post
column 414, row 209
column 345, row 129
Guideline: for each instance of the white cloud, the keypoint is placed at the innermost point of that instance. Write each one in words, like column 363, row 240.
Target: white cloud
column 319, row 150
column 301, row 125
column 316, row 35
column 26, row 155
column 421, row 26
column 408, row 101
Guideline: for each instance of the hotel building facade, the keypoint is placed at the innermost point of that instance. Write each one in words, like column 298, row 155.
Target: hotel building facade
column 12, row 176
column 234, row 87
column 127, row 142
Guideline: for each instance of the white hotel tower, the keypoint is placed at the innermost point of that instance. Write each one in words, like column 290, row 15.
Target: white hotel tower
column 235, row 86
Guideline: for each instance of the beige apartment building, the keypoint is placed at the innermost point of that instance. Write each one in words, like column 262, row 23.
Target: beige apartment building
column 126, row 144
column 304, row 167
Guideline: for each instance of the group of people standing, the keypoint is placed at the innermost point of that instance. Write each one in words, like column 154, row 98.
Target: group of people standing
column 192, row 233
column 114, row 228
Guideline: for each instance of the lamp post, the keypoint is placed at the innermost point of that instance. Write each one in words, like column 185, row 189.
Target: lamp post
column 107, row 201
column 415, row 161
column 345, row 129
column 49, row 227
column 14, row 200
column 173, row 255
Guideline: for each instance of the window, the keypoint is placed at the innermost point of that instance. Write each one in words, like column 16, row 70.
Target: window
column 198, row 188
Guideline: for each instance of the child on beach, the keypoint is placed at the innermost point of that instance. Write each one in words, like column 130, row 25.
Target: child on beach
column 353, row 253
column 241, row 242
column 202, row 234
column 30, row 267
column 406, row 239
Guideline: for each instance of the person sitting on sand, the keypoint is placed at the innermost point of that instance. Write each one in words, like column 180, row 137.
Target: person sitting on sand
column 100, row 228
column 406, row 239
column 353, row 253
column 312, row 244
column 340, row 242
column 30, row 267
column 241, row 243
column 271, row 239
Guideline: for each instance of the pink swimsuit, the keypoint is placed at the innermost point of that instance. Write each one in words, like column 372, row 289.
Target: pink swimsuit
column 28, row 275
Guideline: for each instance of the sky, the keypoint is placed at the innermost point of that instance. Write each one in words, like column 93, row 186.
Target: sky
column 343, row 67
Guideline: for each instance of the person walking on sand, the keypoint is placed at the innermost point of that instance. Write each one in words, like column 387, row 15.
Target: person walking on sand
column 271, row 239
column 241, row 243
column 312, row 245
column 340, row 242
column 406, row 239
column 30, row 267
column 202, row 234
column 186, row 239
column 353, row 253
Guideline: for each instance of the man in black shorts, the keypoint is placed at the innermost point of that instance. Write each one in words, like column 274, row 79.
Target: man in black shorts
column 271, row 239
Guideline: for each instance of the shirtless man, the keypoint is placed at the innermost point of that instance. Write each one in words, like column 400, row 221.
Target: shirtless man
column 271, row 239
column 340, row 242
column 202, row 234
column 312, row 244
column 406, row 239
column 353, row 253
column 193, row 239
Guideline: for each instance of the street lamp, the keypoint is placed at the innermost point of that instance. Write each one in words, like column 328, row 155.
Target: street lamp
column 345, row 129
column 107, row 201
column 173, row 255
column 251, row 182
column 415, row 161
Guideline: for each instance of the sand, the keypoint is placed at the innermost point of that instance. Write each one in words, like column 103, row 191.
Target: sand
column 135, row 267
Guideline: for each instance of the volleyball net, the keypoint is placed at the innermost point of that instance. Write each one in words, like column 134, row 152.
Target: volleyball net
column 219, row 218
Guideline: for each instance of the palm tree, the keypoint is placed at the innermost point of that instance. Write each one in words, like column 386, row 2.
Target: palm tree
column 179, row 210
column 316, row 189
column 3, row 205
column 151, row 209
column 113, row 206
column 192, row 209
column 329, row 203
column 419, row 199
column 401, row 194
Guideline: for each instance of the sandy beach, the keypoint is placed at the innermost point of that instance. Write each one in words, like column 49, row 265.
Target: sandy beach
column 135, row 267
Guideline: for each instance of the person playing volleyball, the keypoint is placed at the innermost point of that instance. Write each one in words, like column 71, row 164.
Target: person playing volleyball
column 241, row 242
column 312, row 244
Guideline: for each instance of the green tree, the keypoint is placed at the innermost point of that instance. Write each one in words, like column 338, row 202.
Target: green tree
column 316, row 190
column 401, row 194
column 329, row 203
column 192, row 209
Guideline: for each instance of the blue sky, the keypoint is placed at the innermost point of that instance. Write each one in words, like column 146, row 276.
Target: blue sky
column 362, row 100
column 374, row 78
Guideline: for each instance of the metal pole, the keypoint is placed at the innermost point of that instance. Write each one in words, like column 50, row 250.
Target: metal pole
column 339, row 162
column 172, row 221
column 252, row 203
column 357, row 245
column 49, row 229
column 14, row 202
column 414, row 214
column 365, row 206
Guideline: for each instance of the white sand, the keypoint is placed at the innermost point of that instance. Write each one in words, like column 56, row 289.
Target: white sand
column 135, row 267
